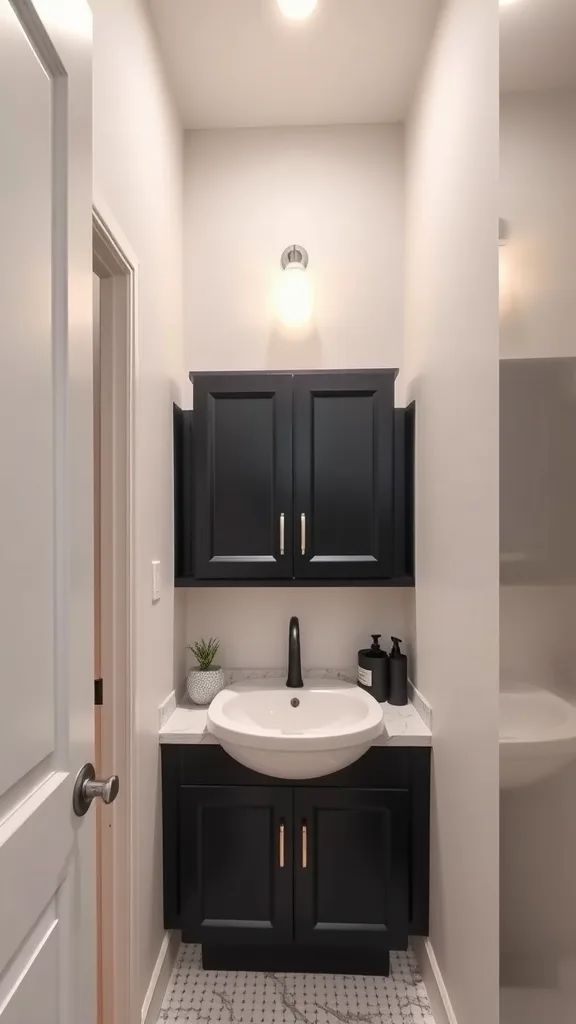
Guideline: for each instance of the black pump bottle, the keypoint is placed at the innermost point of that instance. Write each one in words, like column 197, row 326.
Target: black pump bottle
column 373, row 673
column 398, row 675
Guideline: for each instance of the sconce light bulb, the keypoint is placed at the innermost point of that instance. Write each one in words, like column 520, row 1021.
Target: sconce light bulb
column 505, row 279
column 294, row 299
column 297, row 10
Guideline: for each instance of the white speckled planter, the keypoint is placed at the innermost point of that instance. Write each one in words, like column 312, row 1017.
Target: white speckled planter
column 204, row 683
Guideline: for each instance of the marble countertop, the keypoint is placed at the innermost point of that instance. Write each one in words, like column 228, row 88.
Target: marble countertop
column 408, row 726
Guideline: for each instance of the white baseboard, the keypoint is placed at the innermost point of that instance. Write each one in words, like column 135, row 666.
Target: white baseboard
column 432, row 977
column 160, row 977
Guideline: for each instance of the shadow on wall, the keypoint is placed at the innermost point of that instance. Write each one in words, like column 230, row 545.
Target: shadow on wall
column 538, row 896
column 295, row 347
column 538, row 647
column 537, row 471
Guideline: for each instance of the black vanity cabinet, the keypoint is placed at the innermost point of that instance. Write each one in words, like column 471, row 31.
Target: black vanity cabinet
column 351, row 868
column 272, row 865
column 284, row 477
column 269, row 874
column 236, row 863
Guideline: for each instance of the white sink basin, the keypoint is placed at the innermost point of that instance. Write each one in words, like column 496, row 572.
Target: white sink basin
column 537, row 736
column 333, row 724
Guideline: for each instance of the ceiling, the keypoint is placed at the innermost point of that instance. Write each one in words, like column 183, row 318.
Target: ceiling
column 538, row 45
column 240, row 64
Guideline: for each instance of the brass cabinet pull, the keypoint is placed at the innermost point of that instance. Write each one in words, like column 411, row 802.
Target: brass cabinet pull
column 303, row 533
column 304, row 845
column 281, row 533
column 281, row 845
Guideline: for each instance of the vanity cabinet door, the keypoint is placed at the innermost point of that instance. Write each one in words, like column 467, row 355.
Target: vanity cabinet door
column 236, row 867
column 242, row 518
column 351, row 866
column 344, row 475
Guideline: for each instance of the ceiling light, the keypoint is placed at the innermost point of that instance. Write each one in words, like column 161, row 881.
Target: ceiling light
column 297, row 10
column 507, row 3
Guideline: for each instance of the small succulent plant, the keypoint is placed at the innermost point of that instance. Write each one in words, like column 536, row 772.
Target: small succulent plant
column 205, row 651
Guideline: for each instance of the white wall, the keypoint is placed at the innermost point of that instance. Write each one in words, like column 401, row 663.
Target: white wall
column 138, row 173
column 339, row 191
column 538, row 199
column 452, row 369
column 334, row 623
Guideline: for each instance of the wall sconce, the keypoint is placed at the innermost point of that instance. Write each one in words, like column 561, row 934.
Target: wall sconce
column 504, row 269
column 294, row 296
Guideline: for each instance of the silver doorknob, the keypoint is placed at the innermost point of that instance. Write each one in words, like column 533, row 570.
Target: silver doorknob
column 87, row 788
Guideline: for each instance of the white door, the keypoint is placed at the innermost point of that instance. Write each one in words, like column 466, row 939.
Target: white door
column 47, row 879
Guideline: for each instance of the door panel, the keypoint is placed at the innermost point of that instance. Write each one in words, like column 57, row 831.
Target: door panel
column 351, row 874
column 343, row 475
column 243, row 474
column 26, row 363
column 236, row 864
column 34, row 972
column 46, row 855
column 22, row 835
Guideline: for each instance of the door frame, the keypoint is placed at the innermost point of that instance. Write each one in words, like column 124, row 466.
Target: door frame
column 116, row 265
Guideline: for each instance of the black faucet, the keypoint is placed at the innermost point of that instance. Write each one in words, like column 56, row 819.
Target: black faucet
column 294, row 663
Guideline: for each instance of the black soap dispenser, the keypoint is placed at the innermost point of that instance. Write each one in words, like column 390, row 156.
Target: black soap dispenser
column 373, row 670
column 398, row 675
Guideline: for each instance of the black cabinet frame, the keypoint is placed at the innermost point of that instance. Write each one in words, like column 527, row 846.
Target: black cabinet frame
column 394, row 568
column 404, row 771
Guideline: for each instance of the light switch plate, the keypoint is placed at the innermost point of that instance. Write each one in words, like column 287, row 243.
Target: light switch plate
column 155, row 581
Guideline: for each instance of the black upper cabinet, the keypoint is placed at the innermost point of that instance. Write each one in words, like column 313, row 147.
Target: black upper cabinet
column 285, row 477
column 351, row 866
column 343, row 475
column 243, row 476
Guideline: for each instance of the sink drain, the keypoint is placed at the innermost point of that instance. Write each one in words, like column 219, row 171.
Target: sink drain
column 295, row 703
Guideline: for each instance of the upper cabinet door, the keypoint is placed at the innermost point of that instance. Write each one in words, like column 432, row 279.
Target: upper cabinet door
column 343, row 475
column 243, row 476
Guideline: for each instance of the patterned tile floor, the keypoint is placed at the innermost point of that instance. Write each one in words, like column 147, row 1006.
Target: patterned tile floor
column 239, row 997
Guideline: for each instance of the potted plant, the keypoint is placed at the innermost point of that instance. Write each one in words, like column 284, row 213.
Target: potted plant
column 205, row 681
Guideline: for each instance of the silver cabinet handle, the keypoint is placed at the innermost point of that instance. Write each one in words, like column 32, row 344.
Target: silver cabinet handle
column 87, row 788
column 281, row 857
column 303, row 533
column 281, row 533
